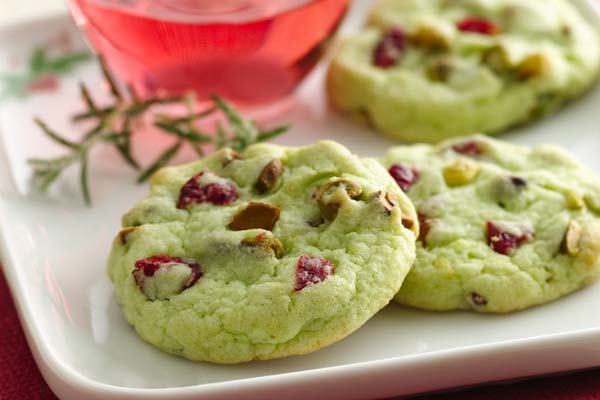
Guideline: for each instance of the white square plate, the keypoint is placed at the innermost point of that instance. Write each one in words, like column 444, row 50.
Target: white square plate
column 54, row 251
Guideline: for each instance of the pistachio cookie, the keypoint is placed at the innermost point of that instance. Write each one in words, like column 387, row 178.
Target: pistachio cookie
column 269, row 253
column 430, row 70
column 503, row 227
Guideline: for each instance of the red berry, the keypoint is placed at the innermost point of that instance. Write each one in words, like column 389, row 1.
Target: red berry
column 404, row 175
column 478, row 25
column 47, row 82
column 469, row 148
column 147, row 267
column 217, row 193
column 220, row 194
column 503, row 242
column 151, row 264
column 389, row 49
column 311, row 270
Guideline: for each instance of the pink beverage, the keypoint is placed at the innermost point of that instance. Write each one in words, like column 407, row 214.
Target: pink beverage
column 253, row 52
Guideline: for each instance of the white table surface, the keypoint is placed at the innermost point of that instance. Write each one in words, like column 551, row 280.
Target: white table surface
column 12, row 11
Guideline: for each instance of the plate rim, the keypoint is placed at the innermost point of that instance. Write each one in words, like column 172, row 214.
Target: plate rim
column 68, row 382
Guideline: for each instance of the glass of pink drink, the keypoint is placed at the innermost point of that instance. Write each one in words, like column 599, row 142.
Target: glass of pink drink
column 253, row 52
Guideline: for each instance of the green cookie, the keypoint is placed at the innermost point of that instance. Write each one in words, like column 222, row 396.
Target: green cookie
column 274, row 252
column 436, row 69
column 503, row 227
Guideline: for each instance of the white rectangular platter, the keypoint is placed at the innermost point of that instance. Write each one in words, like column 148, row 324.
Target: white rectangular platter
column 54, row 250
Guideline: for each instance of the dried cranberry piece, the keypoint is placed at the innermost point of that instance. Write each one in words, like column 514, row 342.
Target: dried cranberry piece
column 503, row 242
column 147, row 267
column 311, row 270
column 217, row 193
column 389, row 49
column 220, row 194
column 152, row 264
column 469, row 148
column 478, row 299
column 47, row 82
column 478, row 25
column 404, row 175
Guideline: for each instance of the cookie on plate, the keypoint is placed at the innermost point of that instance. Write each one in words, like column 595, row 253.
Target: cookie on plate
column 273, row 252
column 503, row 227
column 430, row 70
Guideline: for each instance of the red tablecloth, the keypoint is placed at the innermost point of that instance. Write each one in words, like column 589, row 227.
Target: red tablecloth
column 20, row 378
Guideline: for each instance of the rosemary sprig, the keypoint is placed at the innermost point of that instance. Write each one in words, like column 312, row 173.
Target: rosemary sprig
column 114, row 124
column 40, row 64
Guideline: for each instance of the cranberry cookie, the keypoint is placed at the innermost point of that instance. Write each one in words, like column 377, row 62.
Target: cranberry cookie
column 269, row 253
column 503, row 227
column 430, row 70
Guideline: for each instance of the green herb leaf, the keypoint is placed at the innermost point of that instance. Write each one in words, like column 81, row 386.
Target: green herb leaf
column 37, row 60
column 268, row 135
column 12, row 89
column 67, row 62
column 122, row 141
column 160, row 161
column 189, row 135
column 244, row 129
column 45, row 172
column 55, row 136
column 84, row 179
column 198, row 149
column 87, row 99
column 114, row 89
column 168, row 120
